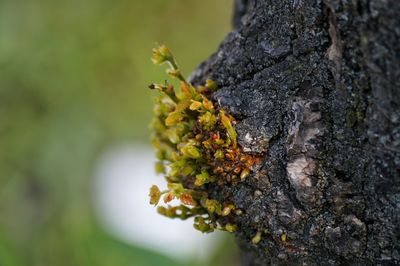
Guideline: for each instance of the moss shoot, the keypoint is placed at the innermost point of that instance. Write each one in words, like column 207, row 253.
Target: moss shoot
column 196, row 145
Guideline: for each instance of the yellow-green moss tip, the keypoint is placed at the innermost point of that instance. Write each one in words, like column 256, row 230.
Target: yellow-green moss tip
column 196, row 145
column 257, row 238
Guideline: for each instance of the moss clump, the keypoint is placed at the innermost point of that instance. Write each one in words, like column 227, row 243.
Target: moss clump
column 196, row 145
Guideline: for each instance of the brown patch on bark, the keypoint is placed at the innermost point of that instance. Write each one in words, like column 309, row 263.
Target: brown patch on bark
column 334, row 51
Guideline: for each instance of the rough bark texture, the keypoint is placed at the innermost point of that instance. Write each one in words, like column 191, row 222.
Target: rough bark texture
column 316, row 88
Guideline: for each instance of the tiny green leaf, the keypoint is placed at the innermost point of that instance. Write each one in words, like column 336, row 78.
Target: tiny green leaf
column 191, row 151
column 176, row 188
column 202, row 226
column 173, row 118
column 219, row 154
column 257, row 238
column 207, row 103
column 213, row 206
column 195, row 105
column 159, row 168
column 161, row 55
column 227, row 210
column 202, row 178
column 208, row 120
column 154, row 195
column 228, row 125
column 210, row 84
column 231, row 228
column 244, row 174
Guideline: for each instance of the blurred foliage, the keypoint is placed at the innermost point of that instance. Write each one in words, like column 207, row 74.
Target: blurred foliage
column 73, row 81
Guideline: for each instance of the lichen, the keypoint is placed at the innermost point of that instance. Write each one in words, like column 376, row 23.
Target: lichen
column 196, row 145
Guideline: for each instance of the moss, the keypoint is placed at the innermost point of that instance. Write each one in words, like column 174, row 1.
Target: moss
column 196, row 145
column 257, row 238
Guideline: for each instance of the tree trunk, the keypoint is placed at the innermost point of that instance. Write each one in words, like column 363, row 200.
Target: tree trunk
column 316, row 88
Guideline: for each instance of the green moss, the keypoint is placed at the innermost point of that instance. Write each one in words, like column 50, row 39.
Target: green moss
column 196, row 146
column 257, row 238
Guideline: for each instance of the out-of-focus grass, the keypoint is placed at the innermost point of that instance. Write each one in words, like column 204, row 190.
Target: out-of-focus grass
column 73, row 78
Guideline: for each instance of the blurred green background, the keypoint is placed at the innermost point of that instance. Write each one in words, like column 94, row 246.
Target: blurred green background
column 73, row 82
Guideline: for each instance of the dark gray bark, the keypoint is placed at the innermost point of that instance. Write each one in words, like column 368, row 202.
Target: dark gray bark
column 316, row 88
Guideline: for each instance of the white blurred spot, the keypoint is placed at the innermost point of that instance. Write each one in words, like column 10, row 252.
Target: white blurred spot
column 122, row 181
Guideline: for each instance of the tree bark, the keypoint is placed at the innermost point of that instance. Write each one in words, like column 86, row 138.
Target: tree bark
column 315, row 86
